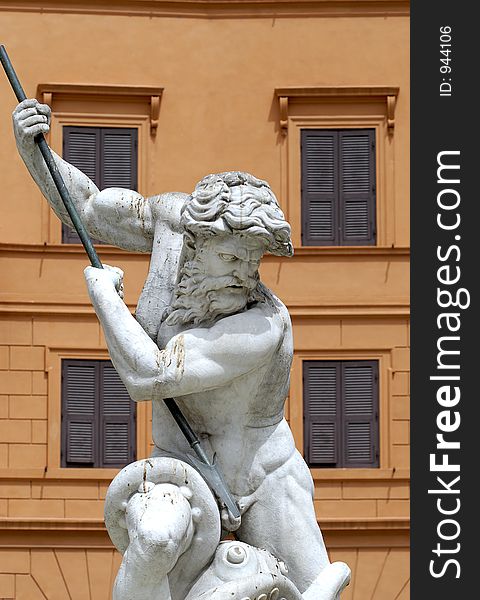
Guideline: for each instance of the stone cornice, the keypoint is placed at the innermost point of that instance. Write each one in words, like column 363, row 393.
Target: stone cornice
column 371, row 524
column 211, row 9
column 63, row 249
column 151, row 95
column 92, row 535
column 384, row 476
column 345, row 311
column 318, row 251
column 44, row 524
column 342, row 92
column 367, row 93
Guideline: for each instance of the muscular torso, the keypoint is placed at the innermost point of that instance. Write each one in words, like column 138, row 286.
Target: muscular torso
column 242, row 422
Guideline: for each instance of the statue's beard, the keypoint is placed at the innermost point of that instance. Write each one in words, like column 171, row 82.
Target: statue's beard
column 201, row 298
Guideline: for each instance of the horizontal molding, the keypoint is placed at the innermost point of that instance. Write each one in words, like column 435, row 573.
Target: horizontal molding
column 31, row 538
column 33, row 308
column 339, row 92
column 92, row 534
column 105, row 249
column 58, row 475
column 98, row 90
column 64, row 249
column 377, row 475
column 369, row 524
column 329, row 523
column 381, row 539
column 85, row 475
column 344, row 311
column 46, row 524
column 350, row 251
column 211, row 9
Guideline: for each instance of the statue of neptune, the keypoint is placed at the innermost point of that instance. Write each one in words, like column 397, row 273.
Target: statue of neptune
column 208, row 333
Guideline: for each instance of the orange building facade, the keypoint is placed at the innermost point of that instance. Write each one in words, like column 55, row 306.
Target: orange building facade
column 209, row 86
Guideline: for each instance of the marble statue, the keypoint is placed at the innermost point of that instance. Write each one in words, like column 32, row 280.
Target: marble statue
column 208, row 333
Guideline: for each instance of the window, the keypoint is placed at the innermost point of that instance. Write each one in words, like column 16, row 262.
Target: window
column 98, row 416
column 338, row 187
column 341, row 413
column 340, row 109
column 107, row 155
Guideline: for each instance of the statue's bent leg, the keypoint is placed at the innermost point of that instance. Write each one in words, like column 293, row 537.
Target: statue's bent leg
column 282, row 519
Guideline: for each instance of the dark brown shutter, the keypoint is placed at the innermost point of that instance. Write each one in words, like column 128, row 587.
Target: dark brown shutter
column 360, row 413
column 338, row 187
column 98, row 417
column 341, row 413
column 81, row 148
column 119, row 158
column 108, row 156
column 321, row 394
column 357, row 187
column 319, row 187
column 117, row 419
column 79, row 411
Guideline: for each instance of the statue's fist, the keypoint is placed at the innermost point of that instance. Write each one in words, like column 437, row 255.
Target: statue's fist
column 29, row 119
column 110, row 276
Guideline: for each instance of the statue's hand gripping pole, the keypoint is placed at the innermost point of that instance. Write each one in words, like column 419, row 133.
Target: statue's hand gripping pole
column 209, row 470
column 52, row 167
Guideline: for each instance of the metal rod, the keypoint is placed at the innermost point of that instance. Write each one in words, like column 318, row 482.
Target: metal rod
column 52, row 166
column 185, row 428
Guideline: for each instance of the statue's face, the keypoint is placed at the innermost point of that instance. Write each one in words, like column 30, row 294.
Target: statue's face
column 232, row 256
column 219, row 280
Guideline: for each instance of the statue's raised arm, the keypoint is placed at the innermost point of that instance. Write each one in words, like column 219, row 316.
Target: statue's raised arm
column 116, row 216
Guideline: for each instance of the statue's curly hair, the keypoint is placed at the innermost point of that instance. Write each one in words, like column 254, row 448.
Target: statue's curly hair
column 212, row 209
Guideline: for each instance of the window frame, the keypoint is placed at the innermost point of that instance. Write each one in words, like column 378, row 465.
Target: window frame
column 338, row 108
column 295, row 413
column 54, row 356
column 98, row 419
